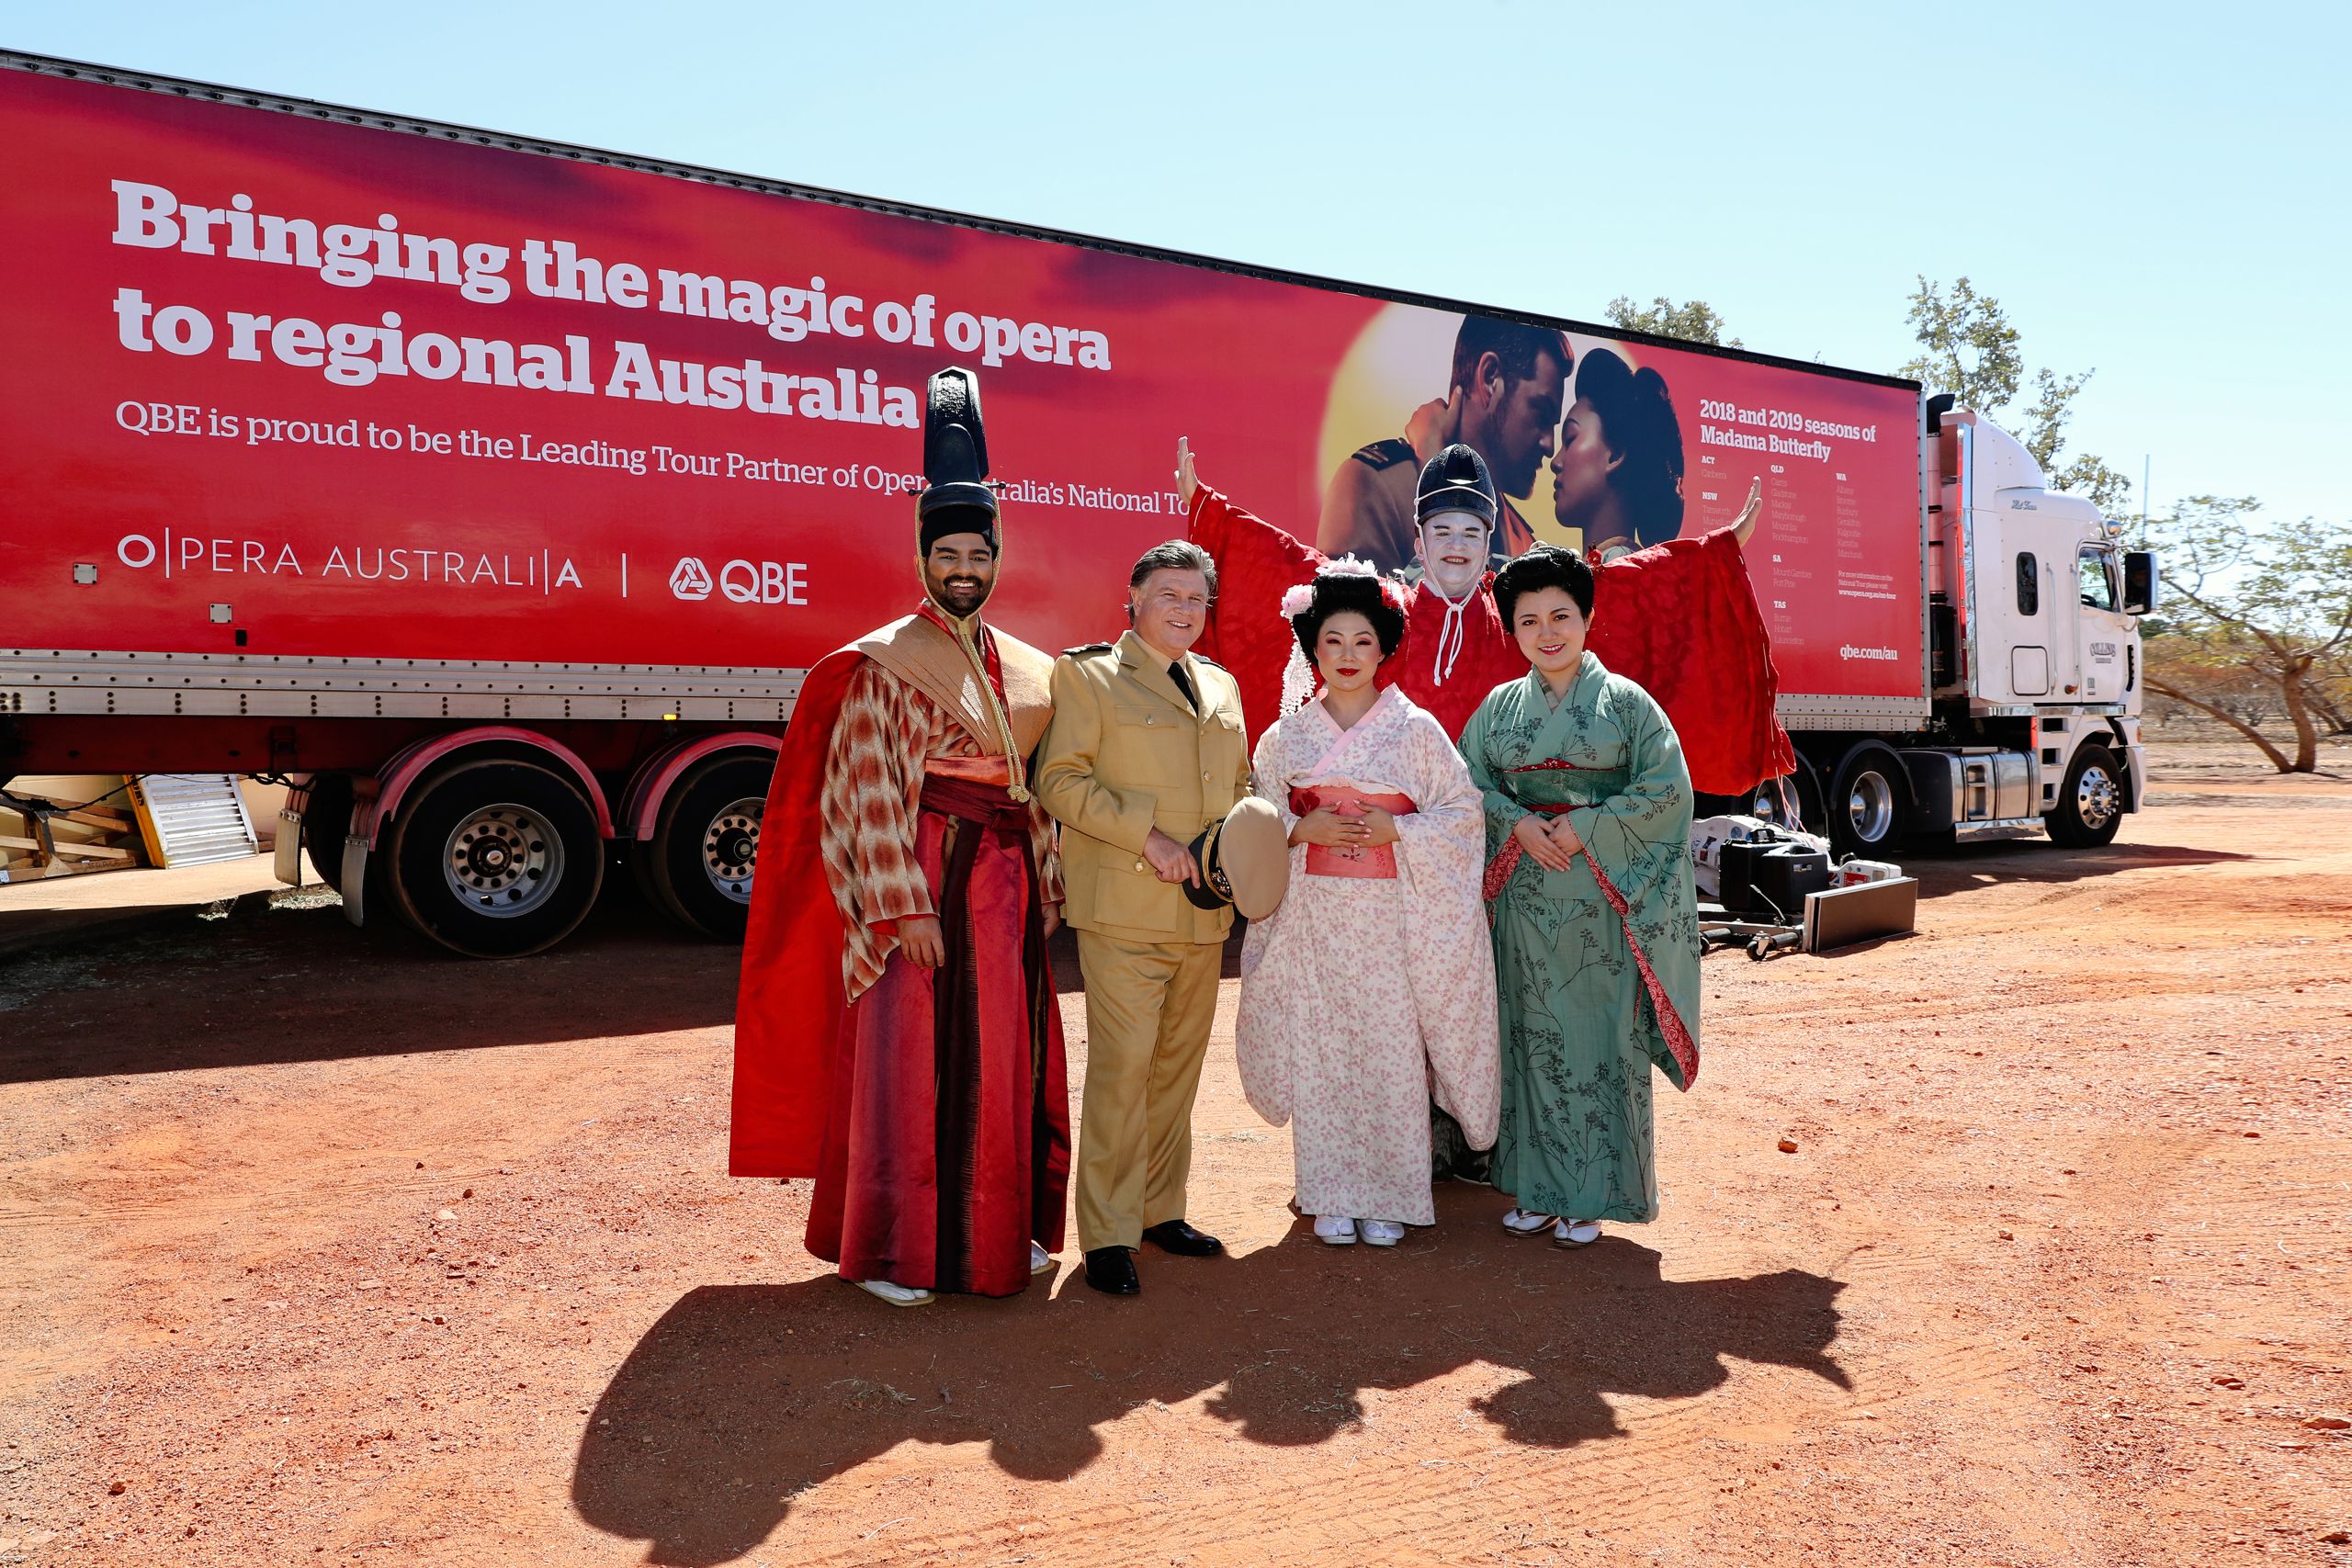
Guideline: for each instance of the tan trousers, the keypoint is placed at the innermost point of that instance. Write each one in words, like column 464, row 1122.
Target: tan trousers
column 1149, row 1007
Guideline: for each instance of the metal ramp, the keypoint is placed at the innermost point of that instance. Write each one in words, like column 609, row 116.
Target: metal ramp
column 192, row 818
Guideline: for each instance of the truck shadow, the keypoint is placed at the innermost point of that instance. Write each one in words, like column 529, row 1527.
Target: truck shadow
column 285, row 983
column 291, row 984
column 1958, row 868
column 743, row 1397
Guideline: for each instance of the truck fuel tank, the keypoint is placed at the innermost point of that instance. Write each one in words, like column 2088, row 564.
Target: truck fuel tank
column 1969, row 785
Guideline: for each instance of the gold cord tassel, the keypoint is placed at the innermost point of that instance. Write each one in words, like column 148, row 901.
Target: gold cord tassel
column 1019, row 787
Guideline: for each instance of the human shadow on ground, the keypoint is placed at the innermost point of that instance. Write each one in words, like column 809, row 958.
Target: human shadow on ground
column 743, row 1396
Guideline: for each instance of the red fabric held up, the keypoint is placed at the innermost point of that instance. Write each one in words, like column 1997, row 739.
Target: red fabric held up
column 1679, row 619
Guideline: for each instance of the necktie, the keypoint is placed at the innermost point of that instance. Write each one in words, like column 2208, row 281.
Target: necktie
column 1183, row 683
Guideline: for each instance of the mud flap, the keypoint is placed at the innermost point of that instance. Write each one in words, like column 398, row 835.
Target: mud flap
column 285, row 861
column 354, row 879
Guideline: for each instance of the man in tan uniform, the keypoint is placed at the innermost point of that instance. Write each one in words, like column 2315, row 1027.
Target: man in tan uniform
column 1145, row 748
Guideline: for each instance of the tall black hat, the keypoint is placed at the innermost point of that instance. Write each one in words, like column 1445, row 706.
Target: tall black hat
column 1455, row 481
column 956, row 497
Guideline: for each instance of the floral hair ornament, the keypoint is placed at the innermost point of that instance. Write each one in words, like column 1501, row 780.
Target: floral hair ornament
column 1298, row 676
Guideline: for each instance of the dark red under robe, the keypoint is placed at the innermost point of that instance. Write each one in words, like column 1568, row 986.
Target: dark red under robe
column 1679, row 619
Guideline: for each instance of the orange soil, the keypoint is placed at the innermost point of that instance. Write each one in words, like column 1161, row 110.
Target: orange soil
column 327, row 1249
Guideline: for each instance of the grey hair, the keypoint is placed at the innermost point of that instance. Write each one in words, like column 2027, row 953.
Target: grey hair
column 1174, row 554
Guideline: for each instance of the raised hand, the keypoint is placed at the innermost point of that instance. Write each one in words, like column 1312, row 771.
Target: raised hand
column 1435, row 425
column 1743, row 527
column 1187, row 481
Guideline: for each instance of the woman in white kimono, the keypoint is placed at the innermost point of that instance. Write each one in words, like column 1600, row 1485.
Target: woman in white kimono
column 1371, row 988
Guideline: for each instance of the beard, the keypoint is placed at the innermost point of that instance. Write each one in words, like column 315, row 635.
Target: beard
column 959, row 595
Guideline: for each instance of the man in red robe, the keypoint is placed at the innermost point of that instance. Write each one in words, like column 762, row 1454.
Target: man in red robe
column 1679, row 619
column 897, row 1033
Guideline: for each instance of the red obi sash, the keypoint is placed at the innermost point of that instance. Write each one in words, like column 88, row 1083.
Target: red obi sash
column 1376, row 861
column 960, row 787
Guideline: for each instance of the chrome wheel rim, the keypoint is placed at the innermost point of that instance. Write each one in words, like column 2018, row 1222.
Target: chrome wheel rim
column 502, row 860
column 1869, row 807
column 730, row 847
column 2097, row 801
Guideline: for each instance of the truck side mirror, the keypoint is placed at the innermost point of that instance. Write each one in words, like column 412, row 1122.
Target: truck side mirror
column 2139, row 581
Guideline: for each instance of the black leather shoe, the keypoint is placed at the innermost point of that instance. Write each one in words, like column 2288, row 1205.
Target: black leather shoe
column 1176, row 1236
column 1111, row 1270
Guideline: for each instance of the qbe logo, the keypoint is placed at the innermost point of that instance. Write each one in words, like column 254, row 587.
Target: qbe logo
column 742, row 582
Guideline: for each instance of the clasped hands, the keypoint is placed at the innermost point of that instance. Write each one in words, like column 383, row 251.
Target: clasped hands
column 1329, row 829
column 1550, row 840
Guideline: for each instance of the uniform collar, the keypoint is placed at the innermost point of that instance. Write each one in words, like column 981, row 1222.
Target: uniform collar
column 1145, row 664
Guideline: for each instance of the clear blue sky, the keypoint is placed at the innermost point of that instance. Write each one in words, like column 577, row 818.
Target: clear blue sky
column 2158, row 191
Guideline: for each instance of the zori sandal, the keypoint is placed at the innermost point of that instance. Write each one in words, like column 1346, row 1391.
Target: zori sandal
column 1527, row 1221
column 1574, row 1233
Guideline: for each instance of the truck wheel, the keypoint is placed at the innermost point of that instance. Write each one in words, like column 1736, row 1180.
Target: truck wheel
column 2090, row 803
column 326, row 819
column 496, row 859
column 700, row 857
column 1865, row 805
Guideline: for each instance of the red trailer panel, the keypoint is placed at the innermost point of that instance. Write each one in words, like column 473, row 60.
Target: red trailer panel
column 291, row 389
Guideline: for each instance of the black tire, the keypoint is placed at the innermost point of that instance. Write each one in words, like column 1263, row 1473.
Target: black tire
column 522, row 842
column 705, row 842
column 1865, row 807
column 326, row 821
column 2090, row 803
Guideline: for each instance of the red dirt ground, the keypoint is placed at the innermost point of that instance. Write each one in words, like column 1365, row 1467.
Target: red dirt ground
column 327, row 1249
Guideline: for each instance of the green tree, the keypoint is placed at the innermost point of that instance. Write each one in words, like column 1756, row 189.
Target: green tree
column 1970, row 349
column 1693, row 321
column 2261, row 614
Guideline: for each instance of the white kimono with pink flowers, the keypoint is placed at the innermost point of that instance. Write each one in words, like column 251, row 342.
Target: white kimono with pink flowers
column 1372, row 988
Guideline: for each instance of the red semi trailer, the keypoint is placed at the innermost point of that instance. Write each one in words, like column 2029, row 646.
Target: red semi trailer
column 498, row 494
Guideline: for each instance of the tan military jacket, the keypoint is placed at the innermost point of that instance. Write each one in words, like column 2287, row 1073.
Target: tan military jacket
column 1124, row 754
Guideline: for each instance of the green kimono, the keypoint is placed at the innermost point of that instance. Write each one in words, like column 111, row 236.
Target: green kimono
column 1597, row 965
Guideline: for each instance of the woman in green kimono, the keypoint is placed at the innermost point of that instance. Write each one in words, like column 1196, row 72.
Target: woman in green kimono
column 1595, row 913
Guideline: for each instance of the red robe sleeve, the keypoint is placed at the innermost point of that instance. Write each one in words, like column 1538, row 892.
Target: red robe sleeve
column 1257, row 563
column 1679, row 620
column 788, row 1000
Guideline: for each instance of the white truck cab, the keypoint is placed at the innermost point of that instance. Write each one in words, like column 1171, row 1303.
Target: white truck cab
column 2033, row 647
column 2046, row 609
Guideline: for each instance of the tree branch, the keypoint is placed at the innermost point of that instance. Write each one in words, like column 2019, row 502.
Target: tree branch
column 2277, row 757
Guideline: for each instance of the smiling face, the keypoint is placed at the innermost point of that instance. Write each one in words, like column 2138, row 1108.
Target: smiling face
column 1170, row 608
column 1453, row 551
column 1516, row 418
column 1550, row 629
column 1347, row 651
column 1581, row 468
column 960, row 571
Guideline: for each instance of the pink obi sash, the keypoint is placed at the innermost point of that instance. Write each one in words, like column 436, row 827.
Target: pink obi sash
column 1378, row 861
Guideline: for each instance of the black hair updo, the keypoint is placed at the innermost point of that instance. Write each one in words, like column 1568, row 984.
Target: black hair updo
column 1638, row 423
column 1546, row 566
column 1337, row 591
